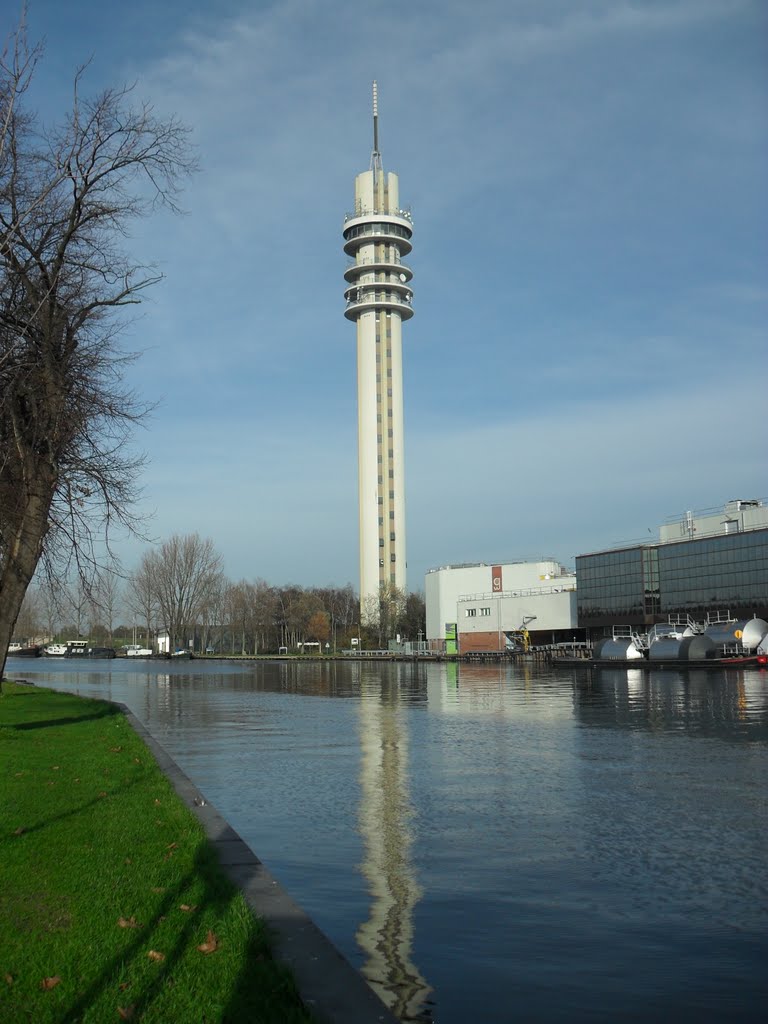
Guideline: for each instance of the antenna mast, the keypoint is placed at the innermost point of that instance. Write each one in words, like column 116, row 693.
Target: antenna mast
column 376, row 155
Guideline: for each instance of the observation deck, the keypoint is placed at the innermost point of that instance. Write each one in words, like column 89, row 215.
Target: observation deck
column 376, row 276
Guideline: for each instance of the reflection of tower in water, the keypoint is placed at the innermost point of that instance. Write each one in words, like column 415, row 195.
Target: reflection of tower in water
column 385, row 817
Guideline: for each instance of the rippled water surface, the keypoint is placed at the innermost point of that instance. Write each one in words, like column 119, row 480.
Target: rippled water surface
column 491, row 843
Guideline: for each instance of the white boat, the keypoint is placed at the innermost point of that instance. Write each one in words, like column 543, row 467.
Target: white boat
column 55, row 650
column 137, row 651
column 12, row 648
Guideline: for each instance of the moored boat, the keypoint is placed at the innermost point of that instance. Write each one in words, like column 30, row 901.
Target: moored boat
column 16, row 650
column 55, row 650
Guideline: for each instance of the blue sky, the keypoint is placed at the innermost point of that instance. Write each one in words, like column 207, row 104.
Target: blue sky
column 587, row 179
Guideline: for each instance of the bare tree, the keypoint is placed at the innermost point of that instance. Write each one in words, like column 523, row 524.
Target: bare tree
column 30, row 616
column 185, row 573
column 104, row 597
column 67, row 197
column 383, row 612
column 77, row 597
column 142, row 597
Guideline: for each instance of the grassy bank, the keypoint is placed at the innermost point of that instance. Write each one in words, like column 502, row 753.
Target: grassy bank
column 112, row 905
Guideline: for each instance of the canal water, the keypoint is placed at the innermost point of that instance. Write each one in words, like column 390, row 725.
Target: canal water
column 492, row 843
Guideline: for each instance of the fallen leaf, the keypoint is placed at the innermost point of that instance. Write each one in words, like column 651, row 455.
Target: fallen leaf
column 128, row 860
column 102, row 793
column 172, row 846
column 9, row 979
column 124, row 985
column 20, row 831
column 126, row 1012
column 76, row 780
column 115, row 750
column 127, row 922
column 136, row 760
column 157, row 803
column 49, row 983
column 158, row 888
column 154, row 955
column 55, row 768
column 210, row 945
column 186, row 907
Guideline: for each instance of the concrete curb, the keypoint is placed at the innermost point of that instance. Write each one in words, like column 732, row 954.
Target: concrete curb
column 328, row 984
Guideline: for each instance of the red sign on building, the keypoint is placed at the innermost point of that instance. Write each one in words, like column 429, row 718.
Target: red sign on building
column 496, row 586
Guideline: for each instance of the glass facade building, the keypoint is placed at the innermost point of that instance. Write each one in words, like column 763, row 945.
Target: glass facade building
column 648, row 583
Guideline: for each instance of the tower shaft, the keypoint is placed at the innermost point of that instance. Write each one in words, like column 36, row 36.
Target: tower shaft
column 378, row 296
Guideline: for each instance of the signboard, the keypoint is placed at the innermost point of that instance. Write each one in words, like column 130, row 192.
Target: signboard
column 496, row 585
column 451, row 638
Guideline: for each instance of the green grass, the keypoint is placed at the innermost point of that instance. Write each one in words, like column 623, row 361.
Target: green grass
column 91, row 832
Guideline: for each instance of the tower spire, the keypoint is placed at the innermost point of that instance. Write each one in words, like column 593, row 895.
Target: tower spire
column 376, row 155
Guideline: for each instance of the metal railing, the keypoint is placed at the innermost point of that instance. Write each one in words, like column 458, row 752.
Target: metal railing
column 364, row 211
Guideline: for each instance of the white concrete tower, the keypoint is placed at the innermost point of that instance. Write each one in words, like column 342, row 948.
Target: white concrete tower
column 377, row 235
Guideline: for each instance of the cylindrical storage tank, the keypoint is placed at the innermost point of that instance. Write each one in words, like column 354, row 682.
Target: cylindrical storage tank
column 747, row 632
column 665, row 648
column 698, row 647
column 622, row 649
column 688, row 648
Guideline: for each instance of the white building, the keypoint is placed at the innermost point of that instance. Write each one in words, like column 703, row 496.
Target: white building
column 489, row 605
column 738, row 515
column 377, row 235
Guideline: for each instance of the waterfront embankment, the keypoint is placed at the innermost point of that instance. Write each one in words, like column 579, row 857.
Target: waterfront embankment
column 127, row 896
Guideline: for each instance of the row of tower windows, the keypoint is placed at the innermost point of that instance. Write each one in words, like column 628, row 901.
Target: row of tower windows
column 391, row 558
column 360, row 230
column 381, row 540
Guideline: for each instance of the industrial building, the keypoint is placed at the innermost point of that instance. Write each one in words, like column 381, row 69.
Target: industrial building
column 704, row 564
column 377, row 235
column 714, row 560
column 481, row 608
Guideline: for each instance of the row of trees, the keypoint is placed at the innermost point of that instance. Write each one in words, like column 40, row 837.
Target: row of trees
column 180, row 586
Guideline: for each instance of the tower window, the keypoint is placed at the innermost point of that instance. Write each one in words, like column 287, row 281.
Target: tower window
column 392, row 558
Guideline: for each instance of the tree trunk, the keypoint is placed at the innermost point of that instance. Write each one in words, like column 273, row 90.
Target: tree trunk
column 25, row 545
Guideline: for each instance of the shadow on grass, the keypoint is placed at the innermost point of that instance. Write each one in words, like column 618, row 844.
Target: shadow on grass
column 56, row 818
column 71, row 720
column 253, row 989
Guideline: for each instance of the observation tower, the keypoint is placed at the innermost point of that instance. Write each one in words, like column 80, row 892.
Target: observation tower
column 377, row 235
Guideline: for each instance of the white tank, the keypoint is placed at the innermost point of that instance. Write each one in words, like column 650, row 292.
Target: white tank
column 747, row 632
column 619, row 649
